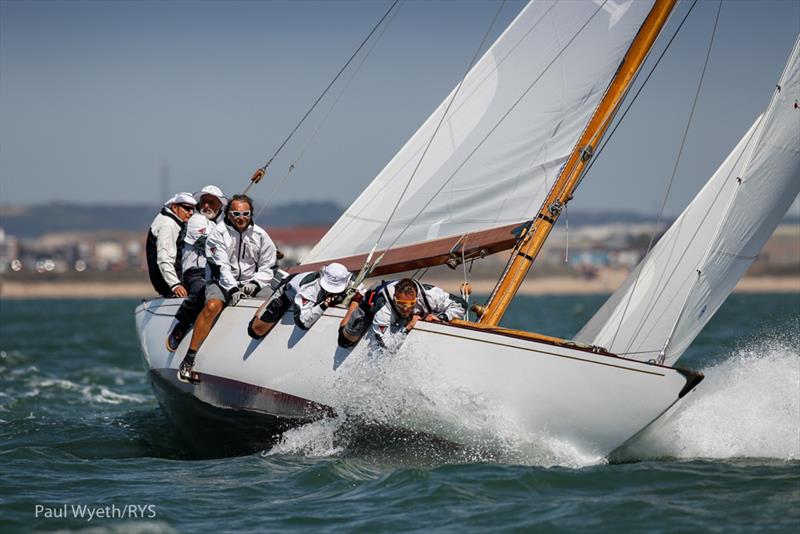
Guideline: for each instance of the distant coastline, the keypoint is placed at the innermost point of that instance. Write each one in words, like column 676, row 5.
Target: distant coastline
column 547, row 285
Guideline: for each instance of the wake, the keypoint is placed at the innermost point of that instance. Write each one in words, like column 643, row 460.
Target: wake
column 748, row 406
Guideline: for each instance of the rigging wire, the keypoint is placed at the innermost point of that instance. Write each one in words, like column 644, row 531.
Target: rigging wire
column 439, row 125
column 635, row 96
column 273, row 193
column 672, row 177
column 491, row 131
column 263, row 169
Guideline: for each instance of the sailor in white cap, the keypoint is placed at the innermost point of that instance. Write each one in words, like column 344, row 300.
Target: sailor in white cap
column 165, row 244
column 308, row 294
column 241, row 257
column 210, row 202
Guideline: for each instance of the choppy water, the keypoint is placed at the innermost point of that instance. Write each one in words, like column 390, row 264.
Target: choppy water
column 79, row 427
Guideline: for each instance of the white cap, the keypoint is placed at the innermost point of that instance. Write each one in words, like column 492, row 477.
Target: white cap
column 335, row 278
column 212, row 190
column 181, row 198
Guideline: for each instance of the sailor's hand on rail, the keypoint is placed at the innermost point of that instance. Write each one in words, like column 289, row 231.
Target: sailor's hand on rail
column 235, row 296
column 179, row 291
column 250, row 289
column 412, row 323
column 431, row 318
column 335, row 299
column 257, row 176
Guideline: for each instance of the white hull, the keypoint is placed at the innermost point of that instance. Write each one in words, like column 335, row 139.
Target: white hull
column 594, row 401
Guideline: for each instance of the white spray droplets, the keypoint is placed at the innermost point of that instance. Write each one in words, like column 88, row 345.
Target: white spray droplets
column 748, row 406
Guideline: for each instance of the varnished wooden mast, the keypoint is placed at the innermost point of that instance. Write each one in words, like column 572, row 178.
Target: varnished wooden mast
column 531, row 243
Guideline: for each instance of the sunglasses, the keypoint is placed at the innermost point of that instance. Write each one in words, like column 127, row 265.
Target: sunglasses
column 405, row 302
column 245, row 213
column 187, row 207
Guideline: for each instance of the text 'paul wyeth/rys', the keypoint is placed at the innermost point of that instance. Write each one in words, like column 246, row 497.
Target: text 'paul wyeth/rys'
column 89, row 513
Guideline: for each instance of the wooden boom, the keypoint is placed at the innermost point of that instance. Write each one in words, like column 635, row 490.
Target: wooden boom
column 531, row 243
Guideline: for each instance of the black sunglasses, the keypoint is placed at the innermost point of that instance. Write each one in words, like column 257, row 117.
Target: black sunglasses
column 187, row 207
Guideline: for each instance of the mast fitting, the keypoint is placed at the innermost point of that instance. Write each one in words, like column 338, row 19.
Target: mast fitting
column 556, row 207
column 459, row 256
column 587, row 153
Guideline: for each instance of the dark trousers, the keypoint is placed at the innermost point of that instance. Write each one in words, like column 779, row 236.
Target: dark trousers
column 194, row 280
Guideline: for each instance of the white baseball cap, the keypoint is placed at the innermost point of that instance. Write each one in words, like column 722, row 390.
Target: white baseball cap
column 181, row 198
column 335, row 278
column 214, row 191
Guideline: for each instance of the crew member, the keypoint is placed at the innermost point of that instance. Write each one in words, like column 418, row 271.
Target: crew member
column 210, row 201
column 164, row 244
column 308, row 294
column 240, row 260
column 391, row 310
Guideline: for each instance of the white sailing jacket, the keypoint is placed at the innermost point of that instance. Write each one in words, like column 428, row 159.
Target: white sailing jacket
column 305, row 293
column 235, row 258
column 306, row 297
column 389, row 328
column 198, row 228
column 162, row 250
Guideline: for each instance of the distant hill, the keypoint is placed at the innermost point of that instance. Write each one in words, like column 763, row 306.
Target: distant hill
column 33, row 221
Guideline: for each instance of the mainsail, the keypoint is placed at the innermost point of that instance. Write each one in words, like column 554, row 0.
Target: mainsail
column 509, row 128
column 682, row 282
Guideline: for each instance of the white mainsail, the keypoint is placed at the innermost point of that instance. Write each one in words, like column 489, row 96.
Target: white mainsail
column 488, row 166
column 679, row 286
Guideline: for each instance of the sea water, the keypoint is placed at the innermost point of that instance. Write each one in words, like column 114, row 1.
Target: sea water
column 84, row 446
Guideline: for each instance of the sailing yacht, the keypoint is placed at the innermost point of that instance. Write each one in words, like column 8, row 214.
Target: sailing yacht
column 491, row 170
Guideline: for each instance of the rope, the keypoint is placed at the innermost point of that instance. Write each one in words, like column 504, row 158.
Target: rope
column 672, row 177
column 263, row 169
column 628, row 107
column 500, row 121
column 438, row 126
column 273, row 193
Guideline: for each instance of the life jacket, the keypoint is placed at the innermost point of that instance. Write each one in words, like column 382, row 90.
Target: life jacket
column 377, row 297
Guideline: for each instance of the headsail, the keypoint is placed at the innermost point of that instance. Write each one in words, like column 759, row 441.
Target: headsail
column 679, row 286
column 513, row 123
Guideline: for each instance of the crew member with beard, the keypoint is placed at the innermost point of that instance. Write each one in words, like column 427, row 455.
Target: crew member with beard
column 240, row 257
column 210, row 201
column 164, row 245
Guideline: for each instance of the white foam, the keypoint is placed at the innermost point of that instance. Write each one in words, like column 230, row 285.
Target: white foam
column 91, row 392
column 748, row 406
column 405, row 391
column 314, row 439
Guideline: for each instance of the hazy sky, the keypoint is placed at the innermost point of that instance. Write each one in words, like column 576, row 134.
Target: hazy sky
column 95, row 97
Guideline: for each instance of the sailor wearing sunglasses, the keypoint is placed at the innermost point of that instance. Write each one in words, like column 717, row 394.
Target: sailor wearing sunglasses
column 165, row 243
column 240, row 259
column 394, row 309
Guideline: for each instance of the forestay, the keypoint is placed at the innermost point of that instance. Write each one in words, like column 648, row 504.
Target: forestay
column 510, row 128
column 679, row 286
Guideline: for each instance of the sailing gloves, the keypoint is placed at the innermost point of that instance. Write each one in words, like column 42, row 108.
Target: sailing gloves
column 235, row 296
column 250, row 289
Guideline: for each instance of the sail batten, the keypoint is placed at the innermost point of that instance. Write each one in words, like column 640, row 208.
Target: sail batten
column 486, row 165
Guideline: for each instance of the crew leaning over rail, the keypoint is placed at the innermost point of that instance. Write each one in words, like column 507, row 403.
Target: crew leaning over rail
column 165, row 244
column 309, row 294
column 210, row 201
column 240, row 257
column 391, row 310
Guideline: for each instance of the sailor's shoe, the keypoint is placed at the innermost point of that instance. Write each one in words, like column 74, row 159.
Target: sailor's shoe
column 185, row 373
column 175, row 337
